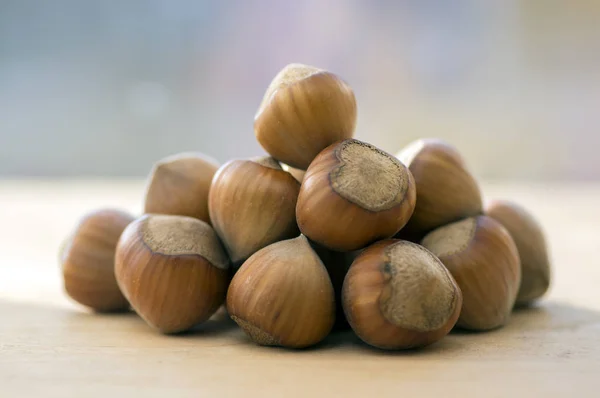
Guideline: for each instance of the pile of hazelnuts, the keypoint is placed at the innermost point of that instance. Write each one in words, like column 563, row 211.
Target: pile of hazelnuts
column 326, row 232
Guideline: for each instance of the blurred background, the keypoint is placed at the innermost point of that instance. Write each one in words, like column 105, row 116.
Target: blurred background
column 105, row 88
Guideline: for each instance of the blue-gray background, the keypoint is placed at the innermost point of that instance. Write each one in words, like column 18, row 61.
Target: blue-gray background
column 105, row 88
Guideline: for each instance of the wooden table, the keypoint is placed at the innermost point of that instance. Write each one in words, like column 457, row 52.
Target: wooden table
column 52, row 347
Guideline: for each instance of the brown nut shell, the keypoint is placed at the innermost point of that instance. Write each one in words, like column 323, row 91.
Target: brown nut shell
column 304, row 110
column 179, row 185
column 88, row 261
column 483, row 259
column 353, row 194
column 173, row 270
column 282, row 296
column 446, row 190
column 398, row 295
column 531, row 244
column 253, row 204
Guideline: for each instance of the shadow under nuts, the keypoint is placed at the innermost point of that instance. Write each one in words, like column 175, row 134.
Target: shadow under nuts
column 88, row 261
column 179, row 185
column 253, row 204
column 337, row 265
column 282, row 296
column 531, row 244
column 446, row 190
column 304, row 110
column 483, row 259
column 398, row 295
column 173, row 270
column 353, row 194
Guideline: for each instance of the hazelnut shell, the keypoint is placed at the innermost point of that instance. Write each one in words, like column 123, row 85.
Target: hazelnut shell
column 483, row 259
column 173, row 270
column 353, row 194
column 282, row 296
column 446, row 190
column 88, row 261
column 179, row 185
column 398, row 295
column 531, row 244
column 304, row 110
column 253, row 204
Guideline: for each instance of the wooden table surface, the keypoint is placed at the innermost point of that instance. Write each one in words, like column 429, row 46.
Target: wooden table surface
column 51, row 347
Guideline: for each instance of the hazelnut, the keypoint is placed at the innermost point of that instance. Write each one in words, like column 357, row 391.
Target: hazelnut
column 88, row 261
column 173, row 270
column 483, row 259
column 446, row 190
column 304, row 110
column 179, row 185
column 253, row 204
column 531, row 244
column 398, row 295
column 353, row 194
column 282, row 296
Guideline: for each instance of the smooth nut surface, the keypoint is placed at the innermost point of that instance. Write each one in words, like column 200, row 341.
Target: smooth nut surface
column 531, row 244
column 398, row 295
column 282, row 296
column 483, row 259
column 173, row 270
column 253, row 204
column 353, row 194
column 87, row 261
column 179, row 185
column 304, row 110
column 446, row 190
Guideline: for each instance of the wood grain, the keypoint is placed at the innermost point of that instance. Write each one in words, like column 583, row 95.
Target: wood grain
column 53, row 348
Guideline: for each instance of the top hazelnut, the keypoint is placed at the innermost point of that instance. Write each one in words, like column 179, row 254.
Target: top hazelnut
column 304, row 110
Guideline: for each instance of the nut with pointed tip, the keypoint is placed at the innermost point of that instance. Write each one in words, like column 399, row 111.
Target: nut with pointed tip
column 354, row 194
column 88, row 261
column 252, row 204
column 179, row 185
column 304, row 110
column 282, row 296
column 531, row 244
column 173, row 270
column 398, row 295
column 483, row 259
column 446, row 190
